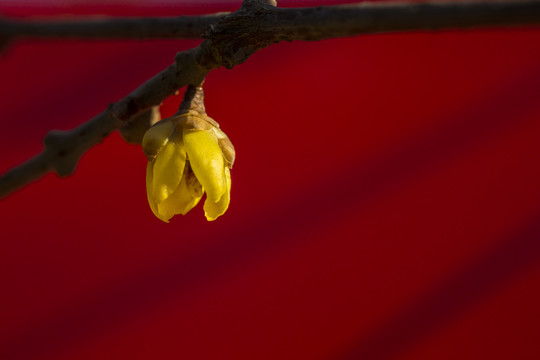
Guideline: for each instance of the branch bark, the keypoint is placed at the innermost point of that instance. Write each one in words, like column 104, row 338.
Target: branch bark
column 315, row 23
column 234, row 37
column 186, row 27
column 368, row 18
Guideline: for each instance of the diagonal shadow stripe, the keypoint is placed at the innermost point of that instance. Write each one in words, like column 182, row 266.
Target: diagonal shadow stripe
column 453, row 297
column 361, row 185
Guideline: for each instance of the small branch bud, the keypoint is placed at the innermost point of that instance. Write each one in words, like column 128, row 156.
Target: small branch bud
column 134, row 130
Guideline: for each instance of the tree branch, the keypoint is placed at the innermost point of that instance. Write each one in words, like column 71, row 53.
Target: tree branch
column 315, row 23
column 235, row 37
column 368, row 18
column 63, row 149
column 187, row 27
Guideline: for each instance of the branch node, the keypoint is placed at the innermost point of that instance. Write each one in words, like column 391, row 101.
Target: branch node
column 254, row 3
column 237, row 36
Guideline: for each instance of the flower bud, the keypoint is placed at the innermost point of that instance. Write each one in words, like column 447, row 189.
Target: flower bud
column 188, row 156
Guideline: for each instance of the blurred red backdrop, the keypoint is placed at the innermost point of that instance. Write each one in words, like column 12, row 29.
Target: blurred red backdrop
column 385, row 202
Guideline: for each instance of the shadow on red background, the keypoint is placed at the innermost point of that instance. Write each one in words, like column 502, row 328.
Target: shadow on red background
column 385, row 204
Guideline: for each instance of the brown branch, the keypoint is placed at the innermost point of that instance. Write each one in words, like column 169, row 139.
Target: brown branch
column 368, row 18
column 237, row 36
column 110, row 28
column 63, row 149
column 277, row 24
column 315, row 23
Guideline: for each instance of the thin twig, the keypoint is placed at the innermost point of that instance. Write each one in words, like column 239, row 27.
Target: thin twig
column 235, row 37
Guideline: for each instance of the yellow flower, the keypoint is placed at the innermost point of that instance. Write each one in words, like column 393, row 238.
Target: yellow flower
column 188, row 155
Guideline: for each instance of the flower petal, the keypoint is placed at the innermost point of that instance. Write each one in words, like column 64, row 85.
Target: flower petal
column 226, row 146
column 194, row 121
column 156, row 137
column 206, row 161
column 168, row 168
column 213, row 210
column 181, row 201
column 149, row 191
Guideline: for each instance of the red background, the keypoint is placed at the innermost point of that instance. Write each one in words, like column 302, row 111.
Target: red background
column 385, row 202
